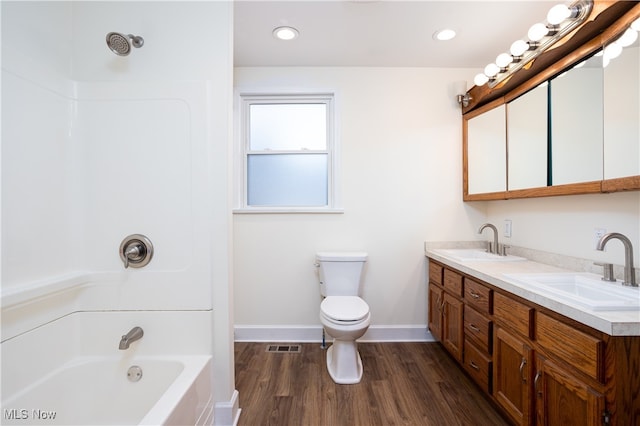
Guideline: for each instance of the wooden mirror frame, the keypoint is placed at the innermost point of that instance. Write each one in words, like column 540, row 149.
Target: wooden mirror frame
column 607, row 21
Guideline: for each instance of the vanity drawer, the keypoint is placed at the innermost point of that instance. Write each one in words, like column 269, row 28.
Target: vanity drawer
column 578, row 349
column 453, row 282
column 435, row 272
column 477, row 329
column 477, row 295
column 478, row 365
column 513, row 314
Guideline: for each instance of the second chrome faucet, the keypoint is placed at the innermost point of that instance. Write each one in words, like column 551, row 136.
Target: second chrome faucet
column 629, row 271
column 493, row 247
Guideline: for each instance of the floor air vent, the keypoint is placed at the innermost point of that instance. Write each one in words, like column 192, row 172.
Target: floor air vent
column 283, row 348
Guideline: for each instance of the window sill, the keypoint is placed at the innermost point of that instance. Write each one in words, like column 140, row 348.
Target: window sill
column 262, row 210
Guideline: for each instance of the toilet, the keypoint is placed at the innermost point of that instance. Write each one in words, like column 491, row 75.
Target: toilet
column 343, row 314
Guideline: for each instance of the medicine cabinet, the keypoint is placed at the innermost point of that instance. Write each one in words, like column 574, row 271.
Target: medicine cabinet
column 572, row 128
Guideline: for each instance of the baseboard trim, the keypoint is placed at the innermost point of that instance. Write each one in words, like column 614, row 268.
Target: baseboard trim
column 227, row 413
column 312, row 334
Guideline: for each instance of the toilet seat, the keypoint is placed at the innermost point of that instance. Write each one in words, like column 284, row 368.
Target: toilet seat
column 344, row 309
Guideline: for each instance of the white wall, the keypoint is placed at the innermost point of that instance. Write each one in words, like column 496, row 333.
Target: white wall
column 37, row 175
column 400, row 137
column 566, row 225
column 400, row 133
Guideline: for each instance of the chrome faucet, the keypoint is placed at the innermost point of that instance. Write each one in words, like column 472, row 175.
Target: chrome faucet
column 493, row 248
column 629, row 272
column 134, row 334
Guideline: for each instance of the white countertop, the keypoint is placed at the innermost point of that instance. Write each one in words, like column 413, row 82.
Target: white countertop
column 614, row 323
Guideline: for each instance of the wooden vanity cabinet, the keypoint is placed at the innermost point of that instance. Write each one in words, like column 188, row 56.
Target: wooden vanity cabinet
column 540, row 367
column 436, row 294
column 446, row 308
column 458, row 310
column 513, row 363
column 478, row 332
column 561, row 399
column 452, row 323
column 435, row 301
column 513, row 359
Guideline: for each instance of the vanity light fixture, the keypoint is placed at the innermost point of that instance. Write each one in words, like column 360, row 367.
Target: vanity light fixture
column 628, row 38
column 285, row 33
column 463, row 97
column 561, row 19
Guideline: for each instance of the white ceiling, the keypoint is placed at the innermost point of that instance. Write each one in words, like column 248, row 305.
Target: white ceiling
column 385, row 33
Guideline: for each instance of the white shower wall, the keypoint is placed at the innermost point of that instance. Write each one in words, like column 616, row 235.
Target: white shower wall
column 96, row 147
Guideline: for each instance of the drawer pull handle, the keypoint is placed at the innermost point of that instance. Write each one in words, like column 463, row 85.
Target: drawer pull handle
column 522, row 364
column 474, row 295
column 535, row 384
column 474, row 328
column 473, row 365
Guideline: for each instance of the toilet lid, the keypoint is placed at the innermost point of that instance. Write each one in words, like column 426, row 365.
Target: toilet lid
column 344, row 308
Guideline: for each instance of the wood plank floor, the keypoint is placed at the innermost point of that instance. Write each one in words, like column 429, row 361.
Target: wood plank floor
column 403, row 384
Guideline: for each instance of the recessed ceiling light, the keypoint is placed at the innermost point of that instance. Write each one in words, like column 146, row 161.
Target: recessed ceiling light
column 444, row 35
column 285, row 33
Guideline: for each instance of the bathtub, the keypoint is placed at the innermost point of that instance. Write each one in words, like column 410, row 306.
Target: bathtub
column 172, row 390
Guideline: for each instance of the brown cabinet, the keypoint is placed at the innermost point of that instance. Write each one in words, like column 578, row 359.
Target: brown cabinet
column 561, row 399
column 540, row 367
column 452, row 323
column 435, row 310
column 446, row 308
column 512, row 375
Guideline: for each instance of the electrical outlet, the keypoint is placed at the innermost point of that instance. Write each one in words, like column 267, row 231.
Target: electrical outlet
column 597, row 234
column 507, row 228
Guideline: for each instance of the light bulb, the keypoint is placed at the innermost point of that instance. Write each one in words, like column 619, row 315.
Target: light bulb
column 628, row 38
column 612, row 51
column 503, row 60
column 557, row 14
column 480, row 79
column 519, row 47
column 636, row 24
column 491, row 70
column 537, row 32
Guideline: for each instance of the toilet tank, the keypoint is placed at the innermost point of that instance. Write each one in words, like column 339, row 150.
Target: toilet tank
column 340, row 273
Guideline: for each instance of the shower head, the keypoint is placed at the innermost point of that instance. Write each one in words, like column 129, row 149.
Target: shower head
column 119, row 43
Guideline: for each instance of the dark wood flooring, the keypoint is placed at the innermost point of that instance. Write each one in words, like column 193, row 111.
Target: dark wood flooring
column 403, row 384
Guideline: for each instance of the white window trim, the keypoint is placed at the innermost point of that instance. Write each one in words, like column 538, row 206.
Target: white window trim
column 243, row 99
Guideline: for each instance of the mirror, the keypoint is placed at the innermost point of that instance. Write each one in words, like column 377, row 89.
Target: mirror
column 576, row 112
column 580, row 135
column 622, row 112
column 487, row 152
column 527, row 139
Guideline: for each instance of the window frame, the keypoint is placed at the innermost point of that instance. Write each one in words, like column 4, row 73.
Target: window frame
column 242, row 150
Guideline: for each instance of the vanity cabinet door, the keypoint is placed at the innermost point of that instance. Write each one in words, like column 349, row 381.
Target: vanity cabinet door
column 435, row 311
column 512, row 366
column 453, row 326
column 562, row 399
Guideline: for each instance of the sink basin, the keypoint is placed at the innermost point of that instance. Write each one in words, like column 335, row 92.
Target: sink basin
column 467, row 255
column 587, row 290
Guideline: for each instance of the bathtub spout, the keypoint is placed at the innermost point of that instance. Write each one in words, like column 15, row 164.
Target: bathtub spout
column 134, row 334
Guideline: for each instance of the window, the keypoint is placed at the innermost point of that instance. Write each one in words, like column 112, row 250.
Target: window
column 288, row 153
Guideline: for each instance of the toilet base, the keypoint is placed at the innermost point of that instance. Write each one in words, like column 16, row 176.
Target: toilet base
column 344, row 363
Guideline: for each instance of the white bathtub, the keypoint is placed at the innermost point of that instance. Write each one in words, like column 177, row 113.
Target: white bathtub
column 173, row 390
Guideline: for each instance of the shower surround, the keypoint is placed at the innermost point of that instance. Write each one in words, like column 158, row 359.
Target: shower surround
column 96, row 147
